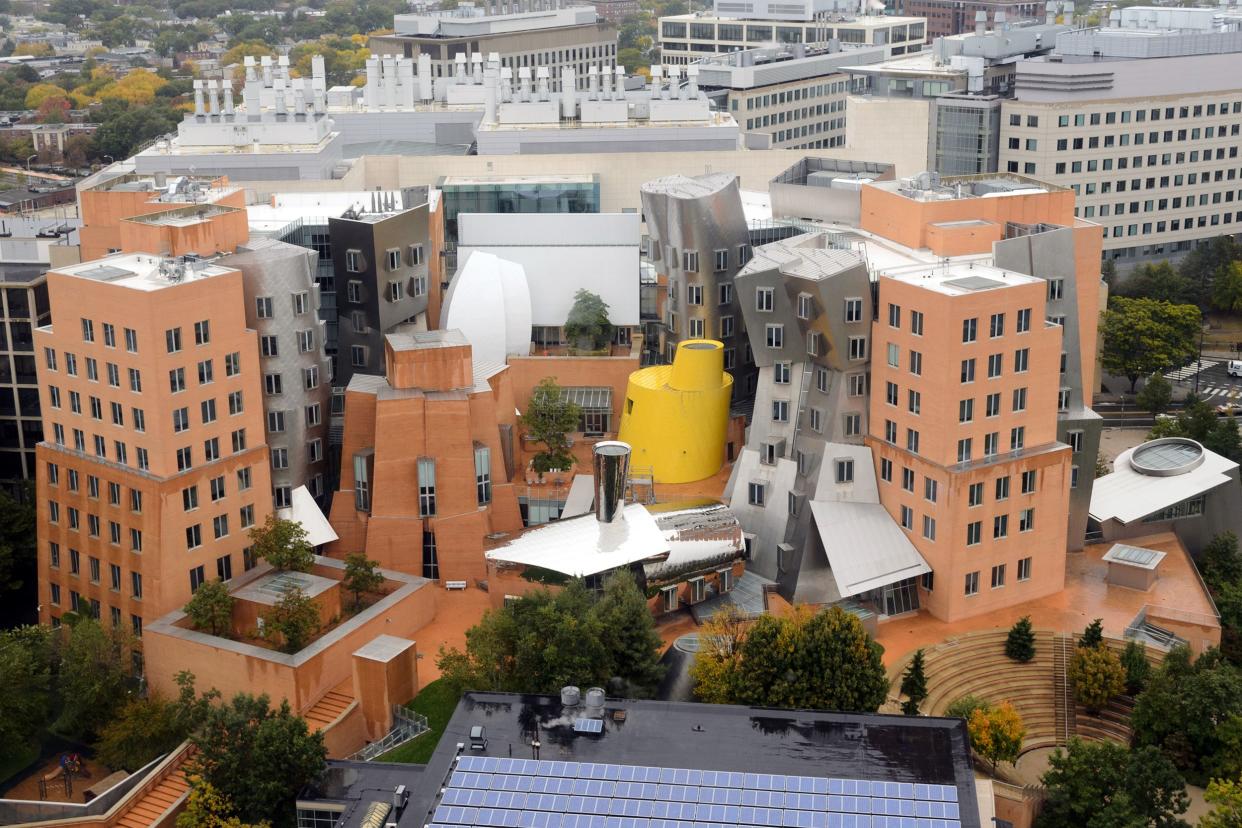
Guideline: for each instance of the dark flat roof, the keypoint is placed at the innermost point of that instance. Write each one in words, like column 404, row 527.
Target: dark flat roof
column 843, row 749
column 355, row 785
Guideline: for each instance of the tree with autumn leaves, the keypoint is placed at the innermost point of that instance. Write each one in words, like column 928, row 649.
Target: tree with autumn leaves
column 996, row 733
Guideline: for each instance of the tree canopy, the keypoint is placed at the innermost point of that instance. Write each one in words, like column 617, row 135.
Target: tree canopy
column 1199, row 421
column 1102, row 784
column 1097, row 676
column 587, row 326
column 806, row 659
column 256, row 757
column 1144, row 336
column 294, row 619
column 546, row 640
column 145, row 729
column 1156, row 394
column 996, row 733
column 283, row 544
column 211, row 607
column 94, row 678
column 549, row 419
column 361, row 575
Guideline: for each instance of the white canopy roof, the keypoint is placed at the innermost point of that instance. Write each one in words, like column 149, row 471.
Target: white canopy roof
column 1128, row 495
column 305, row 511
column 582, row 546
column 866, row 548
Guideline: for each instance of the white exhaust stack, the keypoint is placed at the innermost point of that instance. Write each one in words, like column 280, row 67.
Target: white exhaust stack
column 424, row 78
column 692, row 82
column 569, row 95
column 489, row 97
column 593, row 82
column 541, row 83
column 655, row 82
column 611, row 465
column 981, row 22
column 476, row 68
column 199, row 107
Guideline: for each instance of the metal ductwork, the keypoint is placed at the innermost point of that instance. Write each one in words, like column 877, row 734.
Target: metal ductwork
column 611, row 465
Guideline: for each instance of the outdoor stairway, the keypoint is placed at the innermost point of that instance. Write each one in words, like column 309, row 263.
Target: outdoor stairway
column 147, row 810
column 328, row 709
column 976, row 664
column 1066, row 707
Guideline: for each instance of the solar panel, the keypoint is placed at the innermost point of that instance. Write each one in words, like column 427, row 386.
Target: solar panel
column 498, row 792
column 589, row 725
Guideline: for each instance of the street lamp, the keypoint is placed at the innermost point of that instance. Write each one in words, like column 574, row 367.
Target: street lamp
column 29, row 159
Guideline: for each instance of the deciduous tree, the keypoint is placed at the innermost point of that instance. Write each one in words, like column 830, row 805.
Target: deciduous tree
column 1097, row 675
column 1144, row 336
column 996, row 733
column 1220, row 562
column 208, row 808
column 628, row 634
column 94, row 679
column 718, row 661
column 1225, row 797
column 145, row 729
column 1102, row 784
column 26, row 661
column 283, row 544
column 587, row 326
column 295, row 618
column 549, row 419
column 1020, row 644
column 257, row 757
column 211, row 608
column 361, row 575
column 1155, row 395
column 1227, row 288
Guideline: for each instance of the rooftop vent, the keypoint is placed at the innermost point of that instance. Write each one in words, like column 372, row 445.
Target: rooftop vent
column 611, row 463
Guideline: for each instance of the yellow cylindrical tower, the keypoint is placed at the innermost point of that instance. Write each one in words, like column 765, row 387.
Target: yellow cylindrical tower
column 676, row 417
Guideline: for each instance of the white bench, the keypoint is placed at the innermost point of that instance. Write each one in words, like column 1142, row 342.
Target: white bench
column 454, row 584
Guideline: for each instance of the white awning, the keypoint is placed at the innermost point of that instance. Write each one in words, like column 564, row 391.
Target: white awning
column 1128, row 495
column 582, row 546
column 305, row 511
column 866, row 548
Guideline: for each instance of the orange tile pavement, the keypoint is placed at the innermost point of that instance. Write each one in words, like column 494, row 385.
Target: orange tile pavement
column 1086, row 596
column 456, row 612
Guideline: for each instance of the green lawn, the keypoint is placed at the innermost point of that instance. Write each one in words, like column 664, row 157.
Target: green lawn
column 436, row 701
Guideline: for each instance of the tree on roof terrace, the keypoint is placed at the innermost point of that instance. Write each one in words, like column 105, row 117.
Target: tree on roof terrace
column 283, row 544
column 549, row 419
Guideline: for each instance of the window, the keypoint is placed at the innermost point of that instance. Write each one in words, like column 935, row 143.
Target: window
column 929, row 527
column 997, row 325
column 263, row 307
column 211, row 448
column 1002, row 488
column 965, row 410
column 176, row 380
column 1074, row 438
column 135, row 584
column 301, row 303
column 197, row 578
column 974, row 533
column 806, row 306
column 853, row 310
column 358, row 356
column 890, row 431
column 483, row 474
column 353, row 264
column 1056, row 289
column 232, row 364
column 780, row 411
column 280, row 458
column 185, row 458
column 243, row 478
column 694, row 294
column 916, row 323
column 857, row 347
column 247, row 516
column 238, row 437
column 224, row 567
column 907, row 518
column 193, row 537
column 208, row 411
column 1017, row 438
column 269, row 346
column 991, row 444
column 972, row 583
column 202, row 332
column 724, row 293
column 1024, row 569
column 276, row 421
column 930, row 489
column 1019, row 399
column 131, row 340
column 894, row 315
column 893, row 355
column 181, row 419
column 88, row 330
column 857, row 385
column 970, row 329
column 1024, row 320
column 220, row 526
column 813, row 343
column 172, row 340
column 994, row 365
column 755, row 493
column 912, row 440
column 690, row 261
column 306, row 341
column 416, row 255
column 1000, row 527
column 845, row 471
column 426, row 487
column 272, row 384
column 1028, row 481
column 886, row 470
column 235, row 403
column 916, row 363
column 775, row 336
column 1021, row 360
column 853, row 424
column 968, row 370
column 764, row 299
column 780, row 372
column 1026, row 520
column 998, row 576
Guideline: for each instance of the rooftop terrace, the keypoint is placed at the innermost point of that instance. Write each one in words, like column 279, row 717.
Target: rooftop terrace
column 140, row 271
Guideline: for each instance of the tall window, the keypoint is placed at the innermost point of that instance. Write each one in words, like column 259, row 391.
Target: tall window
column 362, row 484
column 482, row 474
column 431, row 562
column 426, row 487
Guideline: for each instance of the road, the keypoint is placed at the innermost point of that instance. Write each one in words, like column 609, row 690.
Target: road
column 1214, row 382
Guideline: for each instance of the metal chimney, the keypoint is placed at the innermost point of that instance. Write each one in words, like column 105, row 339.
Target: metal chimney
column 611, row 465
column 981, row 22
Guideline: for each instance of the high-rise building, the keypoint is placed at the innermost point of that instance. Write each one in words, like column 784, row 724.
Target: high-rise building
column 379, row 259
column 25, row 308
column 282, row 306
column 428, row 461
column 988, row 286
column 153, row 467
column 559, row 37
column 699, row 239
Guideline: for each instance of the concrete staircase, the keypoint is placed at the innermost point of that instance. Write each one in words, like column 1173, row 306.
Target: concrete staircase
column 151, row 806
column 328, row 709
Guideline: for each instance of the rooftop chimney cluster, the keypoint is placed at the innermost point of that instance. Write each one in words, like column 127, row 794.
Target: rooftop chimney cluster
column 269, row 86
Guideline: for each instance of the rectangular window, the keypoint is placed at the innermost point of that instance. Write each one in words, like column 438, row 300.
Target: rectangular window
column 193, row 537
column 916, row 363
column 1002, row 488
column 974, row 533
column 272, row 384
column 857, row 347
column 1000, row 526
column 1021, row 360
column 755, row 494
column 806, row 306
column 1019, row 399
column 197, row 578
column 965, row 411
column 176, row 380
column 1028, row 481
column 1056, row 289
column 1024, row 320
column 202, row 332
column 972, row 583
column 970, row 330
column 764, row 299
column 1024, row 569
column 426, row 487
column 994, row 365
column 997, row 326
column 916, row 323
column 232, row 364
column 172, row 340
column 263, row 307
column 845, row 471
column 483, row 475
column 1026, row 520
column 968, row 371
column 775, row 336
column 853, row 310
column 929, row 527
column 998, row 576
column 894, row 315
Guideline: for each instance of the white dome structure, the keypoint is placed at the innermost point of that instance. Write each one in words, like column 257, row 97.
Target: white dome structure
column 489, row 302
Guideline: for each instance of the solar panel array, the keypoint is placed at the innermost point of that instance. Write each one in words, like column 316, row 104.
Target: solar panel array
column 589, row 725
column 495, row 792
